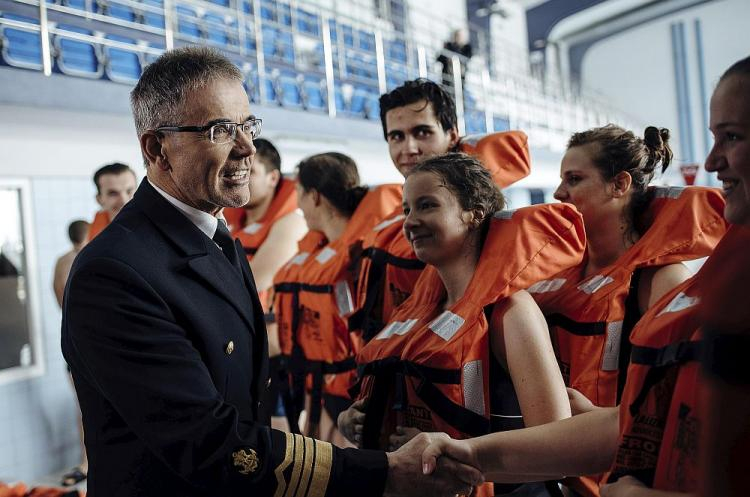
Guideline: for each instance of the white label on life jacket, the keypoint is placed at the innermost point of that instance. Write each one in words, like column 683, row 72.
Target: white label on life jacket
column 679, row 303
column 669, row 192
column 343, row 298
column 396, row 328
column 611, row 358
column 325, row 255
column 299, row 259
column 447, row 324
column 595, row 284
column 389, row 222
column 505, row 215
column 473, row 386
column 545, row 286
column 253, row 228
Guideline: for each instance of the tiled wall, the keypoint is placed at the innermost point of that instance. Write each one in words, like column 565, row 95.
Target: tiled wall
column 38, row 417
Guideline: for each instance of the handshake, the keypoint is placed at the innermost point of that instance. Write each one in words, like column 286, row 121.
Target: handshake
column 415, row 467
column 434, row 465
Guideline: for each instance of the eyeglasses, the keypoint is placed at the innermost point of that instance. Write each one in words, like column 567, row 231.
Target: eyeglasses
column 221, row 133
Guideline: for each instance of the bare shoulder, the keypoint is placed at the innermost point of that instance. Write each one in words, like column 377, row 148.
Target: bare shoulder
column 657, row 281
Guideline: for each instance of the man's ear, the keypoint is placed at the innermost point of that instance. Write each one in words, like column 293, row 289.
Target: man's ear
column 153, row 151
column 453, row 137
column 621, row 184
column 275, row 177
column 99, row 199
column 315, row 196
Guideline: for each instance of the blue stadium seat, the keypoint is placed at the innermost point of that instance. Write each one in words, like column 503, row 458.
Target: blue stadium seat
column 358, row 104
column 122, row 66
column 269, row 83
column 313, row 97
column 373, row 106
column 475, row 123
column 116, row 10
column 77, row 58
column 153, row 18
column 251, row 85
column 366, row 40
column 247, row 6
column 216, row 29
column 285, row 47
column 223, row 3
column 75, row 4
column 332, row 30
column 188, row 22
column 308, row 23
column 396, row 51
column 347, row 33
column 21, row 48
column 250, row 43
column 290, row 92
column 267, row 10
column 284, row 14
column 340, row 101
column 500, row 123
column 269, row 40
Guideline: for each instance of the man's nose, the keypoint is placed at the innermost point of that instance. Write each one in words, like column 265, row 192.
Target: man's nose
column 243, row 145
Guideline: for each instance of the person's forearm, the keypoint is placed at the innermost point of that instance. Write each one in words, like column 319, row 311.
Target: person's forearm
column 580, row 445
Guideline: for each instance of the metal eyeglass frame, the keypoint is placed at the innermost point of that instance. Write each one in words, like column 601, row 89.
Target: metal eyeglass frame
column 251, row 127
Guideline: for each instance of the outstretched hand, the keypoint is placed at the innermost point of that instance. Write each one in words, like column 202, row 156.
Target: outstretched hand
column 408, row 477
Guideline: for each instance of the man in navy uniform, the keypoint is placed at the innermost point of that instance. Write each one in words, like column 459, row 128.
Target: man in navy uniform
column 164, row 332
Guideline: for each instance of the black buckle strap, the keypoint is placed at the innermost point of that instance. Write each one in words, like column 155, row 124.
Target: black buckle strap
column 317, row 369
column 390, row 372
column 576, row 327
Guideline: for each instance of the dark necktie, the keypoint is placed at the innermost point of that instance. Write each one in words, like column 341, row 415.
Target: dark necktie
column 224, row 240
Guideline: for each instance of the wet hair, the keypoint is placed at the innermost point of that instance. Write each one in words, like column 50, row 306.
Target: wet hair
column 334, row 175
column 115, row 168
column 78, row 230
column 157, row 98
column 466, row 178
column 416, row 91
column 265, row 151
column 739, row 68
column 618, row 150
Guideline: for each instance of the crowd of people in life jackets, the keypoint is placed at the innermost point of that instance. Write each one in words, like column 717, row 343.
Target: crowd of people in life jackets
column 563, row 347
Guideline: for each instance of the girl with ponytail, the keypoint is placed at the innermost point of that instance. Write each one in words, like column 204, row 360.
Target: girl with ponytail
column 314, row 291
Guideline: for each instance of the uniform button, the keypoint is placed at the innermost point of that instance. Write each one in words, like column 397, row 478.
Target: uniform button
column 268, row 382
column 230, row 347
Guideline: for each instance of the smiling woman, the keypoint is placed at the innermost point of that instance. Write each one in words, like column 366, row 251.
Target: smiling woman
column 469, row 351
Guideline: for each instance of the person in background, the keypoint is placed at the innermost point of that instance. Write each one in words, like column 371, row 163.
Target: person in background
column 115, row 186
column 457, row 45
column 78, row 234
column 268, row 227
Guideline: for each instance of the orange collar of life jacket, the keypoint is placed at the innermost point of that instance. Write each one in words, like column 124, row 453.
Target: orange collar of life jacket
column 101, row 221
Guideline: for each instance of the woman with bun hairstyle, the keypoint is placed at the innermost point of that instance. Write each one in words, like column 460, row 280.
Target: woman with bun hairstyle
column 637, row 238
column 468, row 352
column 314, row 299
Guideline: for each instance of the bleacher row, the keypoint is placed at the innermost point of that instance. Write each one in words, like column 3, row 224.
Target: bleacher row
column 115, row 40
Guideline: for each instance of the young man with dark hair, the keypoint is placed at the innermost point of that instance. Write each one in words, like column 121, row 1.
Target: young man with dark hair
column 419, row 121
column 115, row 186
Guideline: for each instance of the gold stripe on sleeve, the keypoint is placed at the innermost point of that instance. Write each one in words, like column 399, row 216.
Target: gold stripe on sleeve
column 322, row 471
column 306, row 467
column 279, row 471
column 299, row 456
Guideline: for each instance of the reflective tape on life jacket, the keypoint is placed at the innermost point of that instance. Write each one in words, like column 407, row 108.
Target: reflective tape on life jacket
column 252, row 236
column 101, row 221
column 320, row 343
column 389, row 269
column 591, row 318
column 435, row 363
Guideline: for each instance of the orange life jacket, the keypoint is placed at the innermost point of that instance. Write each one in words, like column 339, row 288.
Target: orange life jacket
column 388, row 267
column 590, row 319
column 659, row 426
column 315, row 335
column 430, row 368
column 660, row 420
column 252, row 236
column 101, row 221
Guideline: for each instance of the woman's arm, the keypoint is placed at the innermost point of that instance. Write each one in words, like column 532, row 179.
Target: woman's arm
column 520, row 339
column 581, row 445
column 655, row 282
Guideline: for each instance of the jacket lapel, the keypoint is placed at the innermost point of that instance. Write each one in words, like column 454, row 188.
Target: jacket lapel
column 202, row 256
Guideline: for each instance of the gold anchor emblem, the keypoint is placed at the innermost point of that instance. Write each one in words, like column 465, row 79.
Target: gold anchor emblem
column 247, row 460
